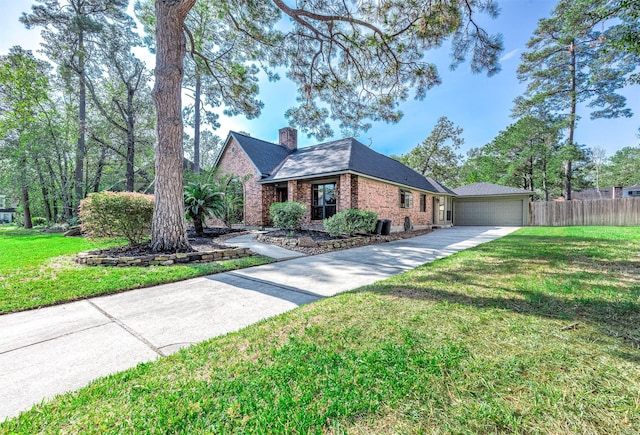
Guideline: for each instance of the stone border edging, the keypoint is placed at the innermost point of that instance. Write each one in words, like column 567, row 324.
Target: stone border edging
column 307, row 242
column 337, row 244
column 98, row 258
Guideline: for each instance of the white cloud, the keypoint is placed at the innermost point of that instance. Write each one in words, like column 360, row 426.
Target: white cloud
column 509, row 55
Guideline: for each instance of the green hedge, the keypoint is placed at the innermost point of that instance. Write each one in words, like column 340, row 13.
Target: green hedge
column 111, row 215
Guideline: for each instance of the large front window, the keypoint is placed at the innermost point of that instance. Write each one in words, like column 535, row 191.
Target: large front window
column 323, row 201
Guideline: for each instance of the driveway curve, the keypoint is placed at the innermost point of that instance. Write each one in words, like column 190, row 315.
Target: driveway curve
column 53, row 350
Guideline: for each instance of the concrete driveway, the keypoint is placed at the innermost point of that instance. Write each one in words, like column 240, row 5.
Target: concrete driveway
column 57, row 349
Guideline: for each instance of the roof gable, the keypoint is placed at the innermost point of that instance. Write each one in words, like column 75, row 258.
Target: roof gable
column 488, row 189
column 266, row 156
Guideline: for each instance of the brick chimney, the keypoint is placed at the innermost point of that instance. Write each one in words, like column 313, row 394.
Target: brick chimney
column 289, row 138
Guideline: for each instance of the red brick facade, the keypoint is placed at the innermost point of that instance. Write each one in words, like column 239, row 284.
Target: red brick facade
column 384, row 199
column 352, row 191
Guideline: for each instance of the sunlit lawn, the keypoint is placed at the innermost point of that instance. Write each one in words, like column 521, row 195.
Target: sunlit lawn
column 537, row 332
column 37, row 269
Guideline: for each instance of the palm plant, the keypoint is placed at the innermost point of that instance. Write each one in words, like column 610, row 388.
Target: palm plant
column 202, row 200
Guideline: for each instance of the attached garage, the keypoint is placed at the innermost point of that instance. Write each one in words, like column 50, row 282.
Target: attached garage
column 488, row 204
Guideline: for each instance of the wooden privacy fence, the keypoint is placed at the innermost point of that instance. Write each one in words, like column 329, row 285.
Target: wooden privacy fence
column 621, row 212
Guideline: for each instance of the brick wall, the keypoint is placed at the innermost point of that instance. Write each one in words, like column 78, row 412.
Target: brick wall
column 384, row 199
column 235, row 161
column 353, row 192
column 366, row 194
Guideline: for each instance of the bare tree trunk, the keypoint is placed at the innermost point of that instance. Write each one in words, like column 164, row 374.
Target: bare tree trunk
column 544, row 180
column 169, row 225
column 99, row 170
column 131, row 144
column 26, row 206
column 572, row 121
column 45, row 191
column 82, row 118
column 196, row 126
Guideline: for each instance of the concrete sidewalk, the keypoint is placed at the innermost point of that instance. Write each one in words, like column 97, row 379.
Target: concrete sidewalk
column 52, row 350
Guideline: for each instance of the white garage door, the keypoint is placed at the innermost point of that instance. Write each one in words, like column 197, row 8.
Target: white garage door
column 507, row 212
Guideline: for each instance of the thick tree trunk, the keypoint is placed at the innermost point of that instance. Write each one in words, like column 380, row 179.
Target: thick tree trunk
column 82, row 119
column 196, row 126
column 169, row 225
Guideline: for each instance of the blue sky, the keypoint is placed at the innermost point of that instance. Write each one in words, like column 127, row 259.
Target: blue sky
column 478, row 104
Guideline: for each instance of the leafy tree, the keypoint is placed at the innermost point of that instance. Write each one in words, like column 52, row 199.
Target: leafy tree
column 24, row 86
column 216, row 69
column 437, row 155
column 628, row 39
column 121, row 93
column 568, row 62
column 359, row 59
column 622, row 168
column 72, row 31
column 526, row 155
column 599, row 158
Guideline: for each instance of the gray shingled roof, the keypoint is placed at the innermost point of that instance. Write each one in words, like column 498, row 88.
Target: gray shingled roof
column 347, row 155
column 488, row 189
column 265, row 155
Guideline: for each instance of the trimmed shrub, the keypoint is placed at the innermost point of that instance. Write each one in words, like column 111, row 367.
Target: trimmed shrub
column 351, row 221
column 110, row 215
column 38, row 221
column 287, row 215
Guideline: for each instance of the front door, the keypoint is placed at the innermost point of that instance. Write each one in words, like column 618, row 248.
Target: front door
column 282, row 195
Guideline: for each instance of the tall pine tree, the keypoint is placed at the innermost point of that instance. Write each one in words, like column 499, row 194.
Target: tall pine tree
column 569, row 62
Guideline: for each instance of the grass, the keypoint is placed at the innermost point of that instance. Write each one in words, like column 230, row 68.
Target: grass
column 37, row 269
column 537, row 332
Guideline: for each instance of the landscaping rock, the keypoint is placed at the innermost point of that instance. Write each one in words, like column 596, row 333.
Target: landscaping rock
column 307, row 242
column 73, row 232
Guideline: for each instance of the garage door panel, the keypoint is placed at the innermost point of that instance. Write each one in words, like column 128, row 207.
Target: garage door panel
column 506, row 212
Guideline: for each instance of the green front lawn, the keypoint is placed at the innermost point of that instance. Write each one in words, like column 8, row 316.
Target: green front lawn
column 537, row 332
column 37, row 269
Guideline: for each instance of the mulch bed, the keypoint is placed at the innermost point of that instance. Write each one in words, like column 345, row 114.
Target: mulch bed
column 213, row 238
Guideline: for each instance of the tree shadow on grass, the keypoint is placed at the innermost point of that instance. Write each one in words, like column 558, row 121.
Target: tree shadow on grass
column 620, row 320
column 578, row 280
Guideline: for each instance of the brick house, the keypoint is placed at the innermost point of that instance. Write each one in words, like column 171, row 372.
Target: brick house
column 331, row 177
